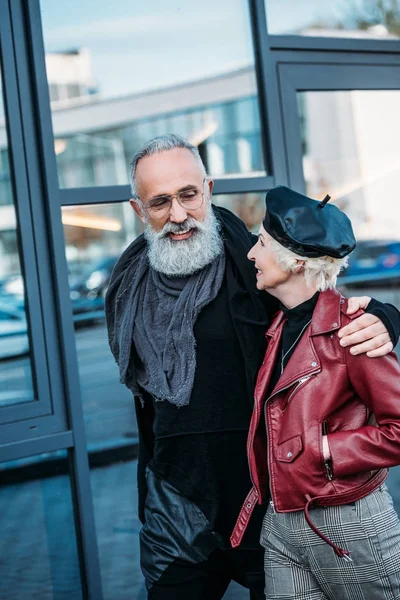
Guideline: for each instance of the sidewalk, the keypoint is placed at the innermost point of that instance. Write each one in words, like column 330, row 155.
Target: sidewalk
column 39, row 558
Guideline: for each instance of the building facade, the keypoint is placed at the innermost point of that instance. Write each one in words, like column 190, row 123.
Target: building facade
column 272, row 92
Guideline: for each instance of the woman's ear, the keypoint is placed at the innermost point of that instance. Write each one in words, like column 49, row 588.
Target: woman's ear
column 299, row 266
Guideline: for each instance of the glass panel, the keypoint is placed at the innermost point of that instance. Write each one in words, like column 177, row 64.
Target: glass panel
column 250, row 207
column 373, row 19
column 119, row 544
column 16, row 383
column 39, row 557
column 350, row 151
column 95, row 236
column 119, row 87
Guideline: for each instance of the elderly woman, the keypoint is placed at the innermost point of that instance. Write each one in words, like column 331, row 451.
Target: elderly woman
column 326, row 424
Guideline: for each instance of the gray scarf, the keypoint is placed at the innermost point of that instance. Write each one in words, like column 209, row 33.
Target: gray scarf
column 160, row 321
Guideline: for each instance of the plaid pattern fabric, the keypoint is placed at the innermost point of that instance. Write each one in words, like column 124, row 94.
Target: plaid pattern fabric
column 299, row 565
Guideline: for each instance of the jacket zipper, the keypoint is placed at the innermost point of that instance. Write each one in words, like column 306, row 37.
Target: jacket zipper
column 268, row 456
column 249, row 438
column 327, row 463
column 299, row 382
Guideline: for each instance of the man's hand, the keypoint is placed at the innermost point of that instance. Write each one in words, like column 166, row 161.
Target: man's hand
column 366, row 333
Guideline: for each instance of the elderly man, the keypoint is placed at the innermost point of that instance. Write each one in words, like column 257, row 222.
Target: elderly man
column 186, row 327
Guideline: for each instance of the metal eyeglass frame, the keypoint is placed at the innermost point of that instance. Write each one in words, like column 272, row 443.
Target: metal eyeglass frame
column 170, row 198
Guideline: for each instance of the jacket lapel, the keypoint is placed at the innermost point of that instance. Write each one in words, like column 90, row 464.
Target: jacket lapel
column 305, row 360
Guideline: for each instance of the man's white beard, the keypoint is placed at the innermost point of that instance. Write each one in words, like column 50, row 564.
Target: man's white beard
column 184, row 257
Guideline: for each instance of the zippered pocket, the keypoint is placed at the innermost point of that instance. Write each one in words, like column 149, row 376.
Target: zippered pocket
column 297, row 386
column 327, row 463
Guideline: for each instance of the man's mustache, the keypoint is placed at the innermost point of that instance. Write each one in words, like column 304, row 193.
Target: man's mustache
column 184, row 227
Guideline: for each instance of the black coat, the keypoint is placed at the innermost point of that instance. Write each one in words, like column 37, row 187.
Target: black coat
column 249, row 312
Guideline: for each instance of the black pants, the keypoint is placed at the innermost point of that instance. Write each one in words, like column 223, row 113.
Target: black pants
column 182, row 558
column 210, row 579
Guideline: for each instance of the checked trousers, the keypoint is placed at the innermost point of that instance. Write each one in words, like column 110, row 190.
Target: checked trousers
column 299, row 565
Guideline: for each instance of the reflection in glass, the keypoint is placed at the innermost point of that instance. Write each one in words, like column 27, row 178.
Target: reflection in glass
column 95, row 236
column 372, row 19
column 114, row 490
column 250, row 207
column 119, row 87
column 15, row 369
column 350, row 151
column 39, row 554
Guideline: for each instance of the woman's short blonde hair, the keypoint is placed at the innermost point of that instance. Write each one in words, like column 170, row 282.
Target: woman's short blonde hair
column 321, row 271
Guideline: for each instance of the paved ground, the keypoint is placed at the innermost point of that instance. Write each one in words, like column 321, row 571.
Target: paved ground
column 39, row 558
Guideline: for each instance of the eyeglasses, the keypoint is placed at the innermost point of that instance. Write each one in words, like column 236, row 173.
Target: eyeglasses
column 190, row 199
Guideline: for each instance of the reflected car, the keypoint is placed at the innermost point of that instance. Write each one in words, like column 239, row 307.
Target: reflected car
column 13, row 285
column 14, row 340
column 87, row 292
column 375, row 258
column 87, row 286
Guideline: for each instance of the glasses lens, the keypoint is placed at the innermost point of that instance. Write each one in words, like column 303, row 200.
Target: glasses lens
column 191, row 199
column 158, row 206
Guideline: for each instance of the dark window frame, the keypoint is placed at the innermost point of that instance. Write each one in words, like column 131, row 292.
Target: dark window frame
column 303, row 71
column 45, row 414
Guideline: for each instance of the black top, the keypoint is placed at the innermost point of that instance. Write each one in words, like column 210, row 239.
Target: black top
column 201, row 448
column 296, row 324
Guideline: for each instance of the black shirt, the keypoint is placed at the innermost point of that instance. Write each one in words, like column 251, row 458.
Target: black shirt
column 296, row 323
column 201, row 448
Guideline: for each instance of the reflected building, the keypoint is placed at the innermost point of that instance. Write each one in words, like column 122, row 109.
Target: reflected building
column 95, row 137
column 350, row 152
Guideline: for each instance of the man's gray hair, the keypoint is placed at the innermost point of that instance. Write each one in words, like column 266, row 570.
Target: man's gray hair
column 169, row 141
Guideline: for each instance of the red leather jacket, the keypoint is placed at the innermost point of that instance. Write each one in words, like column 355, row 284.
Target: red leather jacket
column 324, row 389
